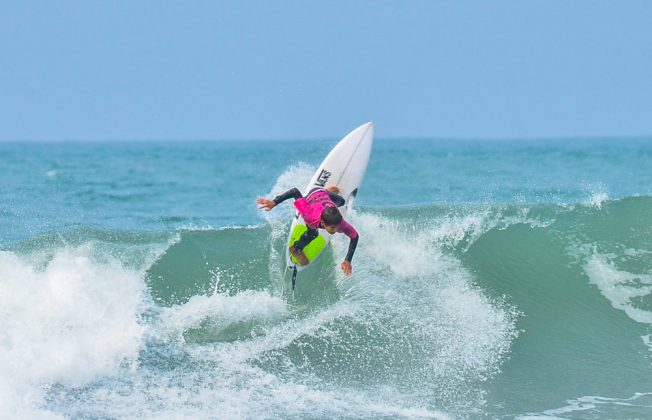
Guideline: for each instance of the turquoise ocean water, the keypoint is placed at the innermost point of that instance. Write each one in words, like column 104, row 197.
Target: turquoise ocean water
column 493, row 279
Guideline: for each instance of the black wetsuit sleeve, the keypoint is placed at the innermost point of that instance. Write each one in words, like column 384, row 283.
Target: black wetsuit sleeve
column 291, row 193
column 337, row 199
column 353, row 243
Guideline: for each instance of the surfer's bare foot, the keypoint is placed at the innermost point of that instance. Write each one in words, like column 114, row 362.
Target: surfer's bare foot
column 300, row 256
column 334, row 189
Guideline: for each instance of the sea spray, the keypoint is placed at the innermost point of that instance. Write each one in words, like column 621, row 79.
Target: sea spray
column 424, row 302
column 71, row 322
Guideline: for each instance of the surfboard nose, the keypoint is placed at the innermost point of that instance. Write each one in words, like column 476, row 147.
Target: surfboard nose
column 366, row 128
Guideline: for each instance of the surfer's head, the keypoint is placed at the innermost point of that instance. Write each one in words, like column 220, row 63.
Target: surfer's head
column 331, row 219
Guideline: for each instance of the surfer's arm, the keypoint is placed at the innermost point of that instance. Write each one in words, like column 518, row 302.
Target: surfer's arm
column 299, row 202
column 347, row 229
column 347, row 268
column 291, row 193
column 353, row 243
column 336, row 198
column 270, row 204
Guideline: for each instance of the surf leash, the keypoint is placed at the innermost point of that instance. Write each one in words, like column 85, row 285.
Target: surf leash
column 294, row 276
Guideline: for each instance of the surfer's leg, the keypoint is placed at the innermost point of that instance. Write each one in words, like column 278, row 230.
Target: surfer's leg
column 305, row 239
column 300, row 256
column 297, row 248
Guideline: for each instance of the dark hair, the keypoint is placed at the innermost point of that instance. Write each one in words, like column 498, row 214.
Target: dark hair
column 331, row 216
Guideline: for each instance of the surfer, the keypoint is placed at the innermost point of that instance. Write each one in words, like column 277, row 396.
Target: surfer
column 319, row 211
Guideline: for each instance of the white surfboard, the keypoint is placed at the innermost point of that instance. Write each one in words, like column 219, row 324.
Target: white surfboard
column 344, row 167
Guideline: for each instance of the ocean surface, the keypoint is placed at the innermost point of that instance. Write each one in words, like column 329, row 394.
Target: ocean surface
column 493, row 279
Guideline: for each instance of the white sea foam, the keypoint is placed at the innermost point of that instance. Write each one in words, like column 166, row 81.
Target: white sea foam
column 220, row 311
column 411, row 249
column 70, row 322
column 618, row 286
column 279, row 336
column 433, row 294
column 240, row 392
column 226, row 380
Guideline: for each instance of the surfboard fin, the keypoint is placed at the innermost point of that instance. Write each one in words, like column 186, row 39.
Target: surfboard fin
column 294, row 276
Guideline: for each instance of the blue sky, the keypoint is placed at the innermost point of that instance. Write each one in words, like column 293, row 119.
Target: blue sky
column 147, row 70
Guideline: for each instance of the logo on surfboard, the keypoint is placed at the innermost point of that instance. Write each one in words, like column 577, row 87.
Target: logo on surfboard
column 323, row 178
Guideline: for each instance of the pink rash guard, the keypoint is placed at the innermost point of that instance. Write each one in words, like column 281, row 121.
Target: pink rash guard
column 311, row 208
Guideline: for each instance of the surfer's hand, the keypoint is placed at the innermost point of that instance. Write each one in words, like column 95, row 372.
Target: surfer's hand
column 346, row 267
column 266, row 205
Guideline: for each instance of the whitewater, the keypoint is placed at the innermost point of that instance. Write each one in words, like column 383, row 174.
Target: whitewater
column 499, row 279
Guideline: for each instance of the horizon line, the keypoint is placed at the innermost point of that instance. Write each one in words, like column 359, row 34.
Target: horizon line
column 390, row 138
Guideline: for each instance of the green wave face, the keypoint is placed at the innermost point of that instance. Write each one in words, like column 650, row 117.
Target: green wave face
column 582, row 283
